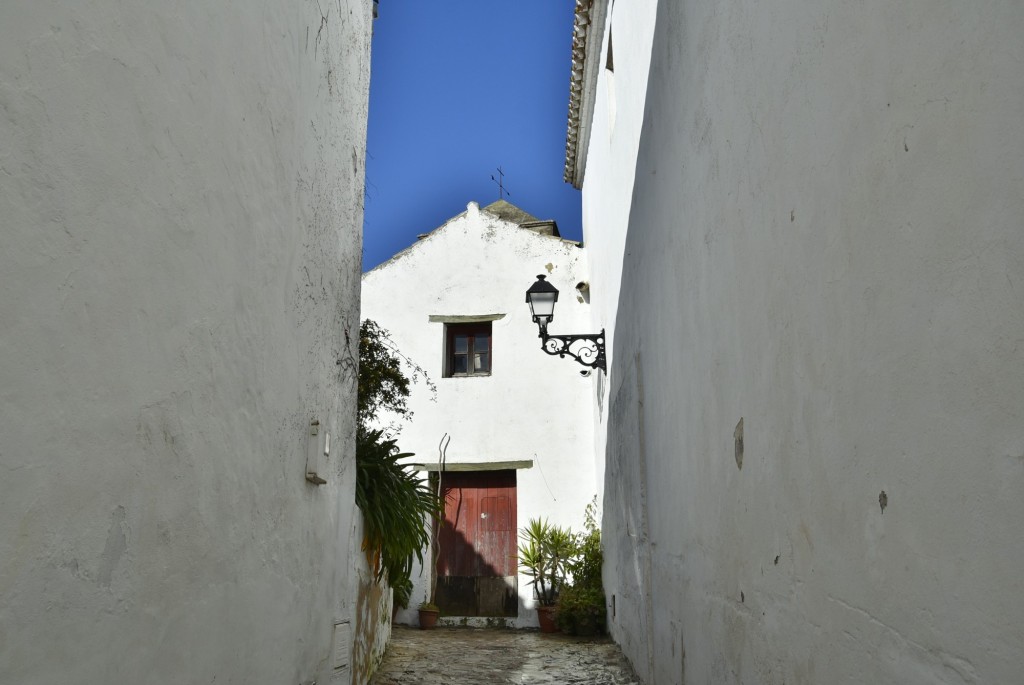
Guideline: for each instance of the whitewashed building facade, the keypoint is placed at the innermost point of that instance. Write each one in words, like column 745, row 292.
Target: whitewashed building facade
column 181, row 192
column 518, row 420
column 804, row 226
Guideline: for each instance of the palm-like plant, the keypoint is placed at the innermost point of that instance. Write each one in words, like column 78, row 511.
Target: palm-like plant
column 395, row 506
column 544, row 555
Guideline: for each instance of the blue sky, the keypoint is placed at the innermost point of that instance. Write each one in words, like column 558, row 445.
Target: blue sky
column 458, row 88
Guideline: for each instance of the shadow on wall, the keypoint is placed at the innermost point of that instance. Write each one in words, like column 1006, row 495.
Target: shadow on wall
column 642, row 330
column 473, row 586
column 475, row 563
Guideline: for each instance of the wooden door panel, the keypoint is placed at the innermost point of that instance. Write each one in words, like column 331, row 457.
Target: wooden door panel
column 477, row 563
column 496, row 533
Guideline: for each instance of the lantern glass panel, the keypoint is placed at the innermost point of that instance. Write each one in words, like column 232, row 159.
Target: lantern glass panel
column 542, row 305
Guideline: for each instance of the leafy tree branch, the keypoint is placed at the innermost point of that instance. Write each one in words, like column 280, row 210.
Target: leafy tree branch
column 396, row 504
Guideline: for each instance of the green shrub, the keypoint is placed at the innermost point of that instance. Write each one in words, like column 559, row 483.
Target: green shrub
column 581, row 610
column 581, row 607
column 587, row 558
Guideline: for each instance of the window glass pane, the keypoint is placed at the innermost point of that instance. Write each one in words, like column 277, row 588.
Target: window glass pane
column 482, row 363
column 467, row 348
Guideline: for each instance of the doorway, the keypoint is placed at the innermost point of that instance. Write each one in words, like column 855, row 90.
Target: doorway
column 477, row 560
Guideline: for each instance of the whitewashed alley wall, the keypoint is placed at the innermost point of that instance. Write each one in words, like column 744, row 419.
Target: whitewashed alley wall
column 181, row 212
column 533, row 406
column 618, row 111
column 816, row 407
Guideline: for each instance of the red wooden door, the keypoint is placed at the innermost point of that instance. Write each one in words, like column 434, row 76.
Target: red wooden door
column 476, row 567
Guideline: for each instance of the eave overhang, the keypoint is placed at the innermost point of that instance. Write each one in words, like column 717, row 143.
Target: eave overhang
column 587, row 36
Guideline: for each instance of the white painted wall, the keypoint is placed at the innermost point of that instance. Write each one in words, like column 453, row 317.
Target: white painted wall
column 533, row 406
column 824, row 238
column 181, row 211
column 619, row 97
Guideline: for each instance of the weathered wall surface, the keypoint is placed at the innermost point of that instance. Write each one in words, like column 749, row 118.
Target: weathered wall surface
column 824, row 241
column 181, row 203
column 533, row 406
column 371, row 621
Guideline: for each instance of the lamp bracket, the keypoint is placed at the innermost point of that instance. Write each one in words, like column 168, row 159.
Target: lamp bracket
column 586, row 348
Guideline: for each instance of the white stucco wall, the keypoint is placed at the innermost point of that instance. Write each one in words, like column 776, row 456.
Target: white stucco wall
column 181, row 212
column 533, row 406
column 619, row 97
column 825, row 239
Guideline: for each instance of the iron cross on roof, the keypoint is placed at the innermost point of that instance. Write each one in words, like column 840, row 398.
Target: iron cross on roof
column 502, row 191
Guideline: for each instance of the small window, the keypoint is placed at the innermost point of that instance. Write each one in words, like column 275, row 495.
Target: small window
column 468, row 349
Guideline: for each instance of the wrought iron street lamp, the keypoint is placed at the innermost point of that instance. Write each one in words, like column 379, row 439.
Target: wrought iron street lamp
column 587, row 349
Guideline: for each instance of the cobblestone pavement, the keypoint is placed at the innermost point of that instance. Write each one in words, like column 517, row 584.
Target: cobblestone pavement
column 471, row 656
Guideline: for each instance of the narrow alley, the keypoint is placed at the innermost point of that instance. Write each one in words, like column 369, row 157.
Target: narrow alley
column 467, row 656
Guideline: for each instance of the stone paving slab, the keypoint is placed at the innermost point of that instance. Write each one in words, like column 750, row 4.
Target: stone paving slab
column 471, row 656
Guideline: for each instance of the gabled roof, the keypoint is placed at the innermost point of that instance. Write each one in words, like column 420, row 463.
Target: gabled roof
column 509, row 212
column 501, row 209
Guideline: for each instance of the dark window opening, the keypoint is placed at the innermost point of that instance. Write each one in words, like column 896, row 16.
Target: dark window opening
column 609, row 63
column 468, row 349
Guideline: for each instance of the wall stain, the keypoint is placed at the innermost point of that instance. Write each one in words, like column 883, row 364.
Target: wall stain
column 115, row 547
column 807, row 535
column 370, row 629
column 737, row 435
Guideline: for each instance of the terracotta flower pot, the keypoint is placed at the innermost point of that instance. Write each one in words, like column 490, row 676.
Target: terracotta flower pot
column 546, row 616
column 428, row 619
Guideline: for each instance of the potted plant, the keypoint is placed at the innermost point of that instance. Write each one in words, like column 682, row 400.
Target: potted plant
column 428, row 615
column 544, row 555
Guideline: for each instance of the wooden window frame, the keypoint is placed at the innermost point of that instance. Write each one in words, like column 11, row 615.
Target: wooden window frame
column 471, row 330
